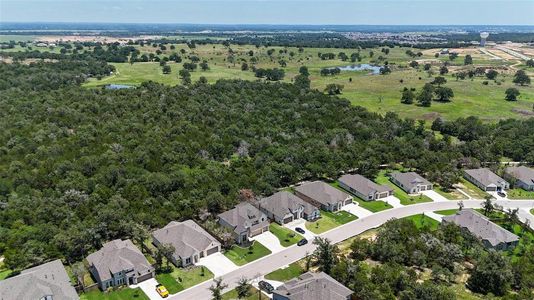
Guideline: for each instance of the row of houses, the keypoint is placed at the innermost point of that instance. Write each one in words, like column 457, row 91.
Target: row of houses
column 486, row 180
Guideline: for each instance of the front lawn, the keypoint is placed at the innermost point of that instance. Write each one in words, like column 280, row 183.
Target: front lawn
column 287, row 237
column 472, row 190
column 290, row 272
column 241, row 256
column 329, row 221
column 447, row 212
column 373, row 206
column 421, row 221
column 520, row 194
column 4, row 274
column 124, row 293
column 232, row 295
column 404, row 198
column 180, row 279
column 451, row 194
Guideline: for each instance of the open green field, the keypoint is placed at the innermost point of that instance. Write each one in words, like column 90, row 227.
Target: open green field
column 241, row 256
column 404, row 198
column 421, row 221
column 122, row 294
column 289, row 272
column 520, row 194
column 330, row 220
column 373, row 206
column 286, row 236
column 182, row 278
column 378, row 93
column 17, row 38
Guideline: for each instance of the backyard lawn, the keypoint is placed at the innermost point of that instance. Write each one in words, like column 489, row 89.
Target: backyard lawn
column 291, row 271
column 241, row 256
column 520, row 194
column 472, row 190
column 373, row 206
column 122, row 294
column 286, row 236
column 404, row 198
column 232, row 295
column 330, row 220
column 422, row 220
column 447, row 212
column 182, row 278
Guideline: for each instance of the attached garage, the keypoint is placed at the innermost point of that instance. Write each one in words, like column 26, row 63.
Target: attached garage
column 288, row 219
column 144, row 277
column 212, row 251
column 348, row 201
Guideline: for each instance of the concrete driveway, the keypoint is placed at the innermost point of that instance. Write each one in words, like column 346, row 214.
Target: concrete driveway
column 433, row 215
column 149, row 288
column 310, row 236
column 218, row 264
column 356, row 210
column 393, row 201
column 435, row 196
column 269, row 240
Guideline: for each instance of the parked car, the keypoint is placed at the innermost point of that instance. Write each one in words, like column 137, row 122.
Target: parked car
column 302, row 242
column 502, row 194
column 265, row 286
column 162, row 290
column 300, row 230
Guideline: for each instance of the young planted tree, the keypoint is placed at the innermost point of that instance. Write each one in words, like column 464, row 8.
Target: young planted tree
column 217, row 289
column 243, row 288
column 488, row 206
column 325, row 255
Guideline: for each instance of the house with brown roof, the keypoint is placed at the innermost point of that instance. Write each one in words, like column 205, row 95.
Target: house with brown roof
column 411, row 182
column 284, row 207
column 323, row 195
column 312, row 286
column 190, row 241
column 521, row 177
column 43, row 282
column 486, row 180
column 119, row 263
column 364, row 188
column 245, row 221
column 492, row 235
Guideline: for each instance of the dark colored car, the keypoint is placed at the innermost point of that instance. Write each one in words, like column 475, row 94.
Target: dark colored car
column 265, row 286
column 502, row 194
column 302, row 242
column 299, row 230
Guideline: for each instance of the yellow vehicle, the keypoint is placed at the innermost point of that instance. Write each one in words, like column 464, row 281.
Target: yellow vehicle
column 162, row 291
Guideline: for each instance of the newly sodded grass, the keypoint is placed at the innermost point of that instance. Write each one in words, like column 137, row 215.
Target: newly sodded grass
column 286, row 236
column 373, row 206
column 232, row 295
column 520, row 194
column 472, row 190
column 329, row 221
column 241, row 256
column 287, row 273
column 180, row 279
column 446, row 212
column 404, row 198
column 124, row 293
column 421, row 221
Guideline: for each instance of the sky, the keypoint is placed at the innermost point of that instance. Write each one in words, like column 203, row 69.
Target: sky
column 334, row 12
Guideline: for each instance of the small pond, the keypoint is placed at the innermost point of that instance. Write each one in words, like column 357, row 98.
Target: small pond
column 362, row 67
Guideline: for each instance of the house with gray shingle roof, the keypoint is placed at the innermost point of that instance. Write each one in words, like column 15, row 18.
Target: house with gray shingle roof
column 284, row 207
column 521, row 176
column 245, row 221
column 364, row 188
column 46, row 281
column 323, row 195
column 119, row 263
column 486, row 180
column 312, row 286
column 190, row 241
column 492, row 235
column 410, row 182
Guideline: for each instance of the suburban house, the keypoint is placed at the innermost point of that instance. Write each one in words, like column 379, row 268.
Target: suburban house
column 117, row 263
column 48, row 281
column 522, row 177
column 312, row 286
column 364, row 188
column 190, row 241
column 411, row 182
column 284, row 207
column 245, row 220
column 492, row 235
column 323, row 195
column 486, row 180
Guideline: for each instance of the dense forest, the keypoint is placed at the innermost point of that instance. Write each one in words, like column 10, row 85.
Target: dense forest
column 81, row 166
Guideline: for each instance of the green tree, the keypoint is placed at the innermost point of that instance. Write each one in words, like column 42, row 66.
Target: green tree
column 492, row 274
column 424, row 98
column 186, row 76
column 166, row 69
column 217, row 289
column 243, row 288
column 439, row 80
column 468, row 60
column 325, row 255
column 491, row 74
column 511, row 94
column 334, row 89
column 443, row 93
column 408, row 96
column 443, row 70
column 521, row 78
column 487, row 205
column 302, row 82
column 303, row 70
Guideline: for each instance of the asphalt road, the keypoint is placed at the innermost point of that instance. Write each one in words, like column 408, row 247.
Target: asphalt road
column 291, row 254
